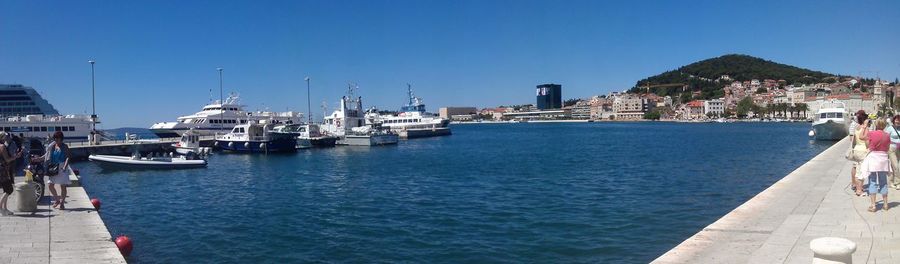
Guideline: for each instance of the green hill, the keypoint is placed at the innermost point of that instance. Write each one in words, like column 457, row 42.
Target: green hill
column 701, row 76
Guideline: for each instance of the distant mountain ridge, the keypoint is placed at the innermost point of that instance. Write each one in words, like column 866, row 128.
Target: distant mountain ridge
column 704, row 75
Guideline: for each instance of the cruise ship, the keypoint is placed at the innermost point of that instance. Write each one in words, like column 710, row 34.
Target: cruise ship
column 24, row 112
column 221, row 118
column 412, row 120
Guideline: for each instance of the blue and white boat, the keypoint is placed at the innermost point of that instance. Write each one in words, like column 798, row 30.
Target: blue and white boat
column 255, row 138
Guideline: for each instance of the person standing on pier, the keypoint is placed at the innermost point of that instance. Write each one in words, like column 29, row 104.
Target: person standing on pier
column 859, row 149
column 57, row 157
column 877, row 165
column 6, row 179
column 893, row 131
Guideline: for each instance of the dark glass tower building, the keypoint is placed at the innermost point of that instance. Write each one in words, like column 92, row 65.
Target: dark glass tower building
column 549, row 96
column 19, row 100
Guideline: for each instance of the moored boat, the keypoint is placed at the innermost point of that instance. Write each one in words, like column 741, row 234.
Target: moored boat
column 831, row 122
column 189, row 144
column 138, row 162
column 412, row 121
column 255, row 138
column 220, row 117
column 348, row 123
column 307, row 135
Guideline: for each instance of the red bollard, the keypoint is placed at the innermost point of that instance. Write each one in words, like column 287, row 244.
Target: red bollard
column 96, row 203
column 125, row 245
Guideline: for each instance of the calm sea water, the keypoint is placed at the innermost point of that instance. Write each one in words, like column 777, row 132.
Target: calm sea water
column 542, row 193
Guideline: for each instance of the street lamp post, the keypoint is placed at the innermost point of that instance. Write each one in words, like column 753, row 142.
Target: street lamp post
column 93, row 100
column 221, row 98
column 308, row 105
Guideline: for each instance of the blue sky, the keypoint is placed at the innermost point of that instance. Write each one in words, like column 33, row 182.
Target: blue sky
column 156, row 60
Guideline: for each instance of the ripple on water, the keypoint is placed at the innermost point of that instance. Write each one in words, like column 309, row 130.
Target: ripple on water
column 590, row 192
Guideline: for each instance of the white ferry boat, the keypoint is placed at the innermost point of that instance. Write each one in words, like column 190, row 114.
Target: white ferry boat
column 831, row 122
column 74, row 127
column 218, row 117
column 349, row 124
column 412, row 120
column 24, row 112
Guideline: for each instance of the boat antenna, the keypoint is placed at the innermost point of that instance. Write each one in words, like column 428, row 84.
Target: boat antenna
column 409, row 93
column 324, row 108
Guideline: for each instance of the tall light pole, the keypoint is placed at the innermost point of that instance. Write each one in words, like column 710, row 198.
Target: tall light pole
column 221, row 98
column 308, row 105
column 93, row 100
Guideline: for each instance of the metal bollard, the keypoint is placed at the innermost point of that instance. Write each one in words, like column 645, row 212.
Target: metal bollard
column 25, row 201
column 832, row 250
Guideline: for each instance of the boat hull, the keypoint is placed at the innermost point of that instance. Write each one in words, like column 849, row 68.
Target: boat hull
column 125, row 162
column 276, row 145
column 316, row 142
column 427, row 132
column 830, row 130
column 369, row 140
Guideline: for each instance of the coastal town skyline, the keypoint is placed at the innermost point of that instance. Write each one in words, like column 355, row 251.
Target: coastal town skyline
column 495, row 58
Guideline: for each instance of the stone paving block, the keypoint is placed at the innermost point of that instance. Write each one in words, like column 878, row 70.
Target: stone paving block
column 71, row 236
column 815, row 192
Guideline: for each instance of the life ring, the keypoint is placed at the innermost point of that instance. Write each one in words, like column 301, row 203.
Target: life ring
column 337, row 122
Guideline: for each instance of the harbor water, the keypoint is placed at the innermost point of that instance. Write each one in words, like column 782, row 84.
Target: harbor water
column 536, row 193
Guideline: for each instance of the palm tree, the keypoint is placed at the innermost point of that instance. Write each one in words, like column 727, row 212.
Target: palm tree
column 802, row 107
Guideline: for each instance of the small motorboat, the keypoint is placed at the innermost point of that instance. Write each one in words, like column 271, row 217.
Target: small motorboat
column 189, row 144
column 149, row 162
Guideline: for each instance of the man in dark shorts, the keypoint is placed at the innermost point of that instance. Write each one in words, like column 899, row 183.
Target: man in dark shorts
column 6, row 179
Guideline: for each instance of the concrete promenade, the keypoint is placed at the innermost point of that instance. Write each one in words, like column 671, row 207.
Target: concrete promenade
column 74, row 235
column 777, row 224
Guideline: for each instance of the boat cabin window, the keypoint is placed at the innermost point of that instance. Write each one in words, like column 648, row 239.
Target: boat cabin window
column 831, row 115
column 840, row 115
column 822, row 115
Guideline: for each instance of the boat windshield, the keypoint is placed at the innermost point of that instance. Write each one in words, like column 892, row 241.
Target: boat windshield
column 831, row 115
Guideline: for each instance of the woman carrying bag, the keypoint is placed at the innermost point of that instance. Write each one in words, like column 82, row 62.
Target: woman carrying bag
column 56, row 161
column 858, row 151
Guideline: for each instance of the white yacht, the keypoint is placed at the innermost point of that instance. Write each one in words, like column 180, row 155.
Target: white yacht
column 831, row 121
column 221, row 117
column 412, row 120
column 349, row 124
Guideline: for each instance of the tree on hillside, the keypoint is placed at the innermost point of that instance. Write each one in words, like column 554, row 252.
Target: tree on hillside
column 652, row 115
column 757, row 110
column 570, row 102
column 743, row 107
